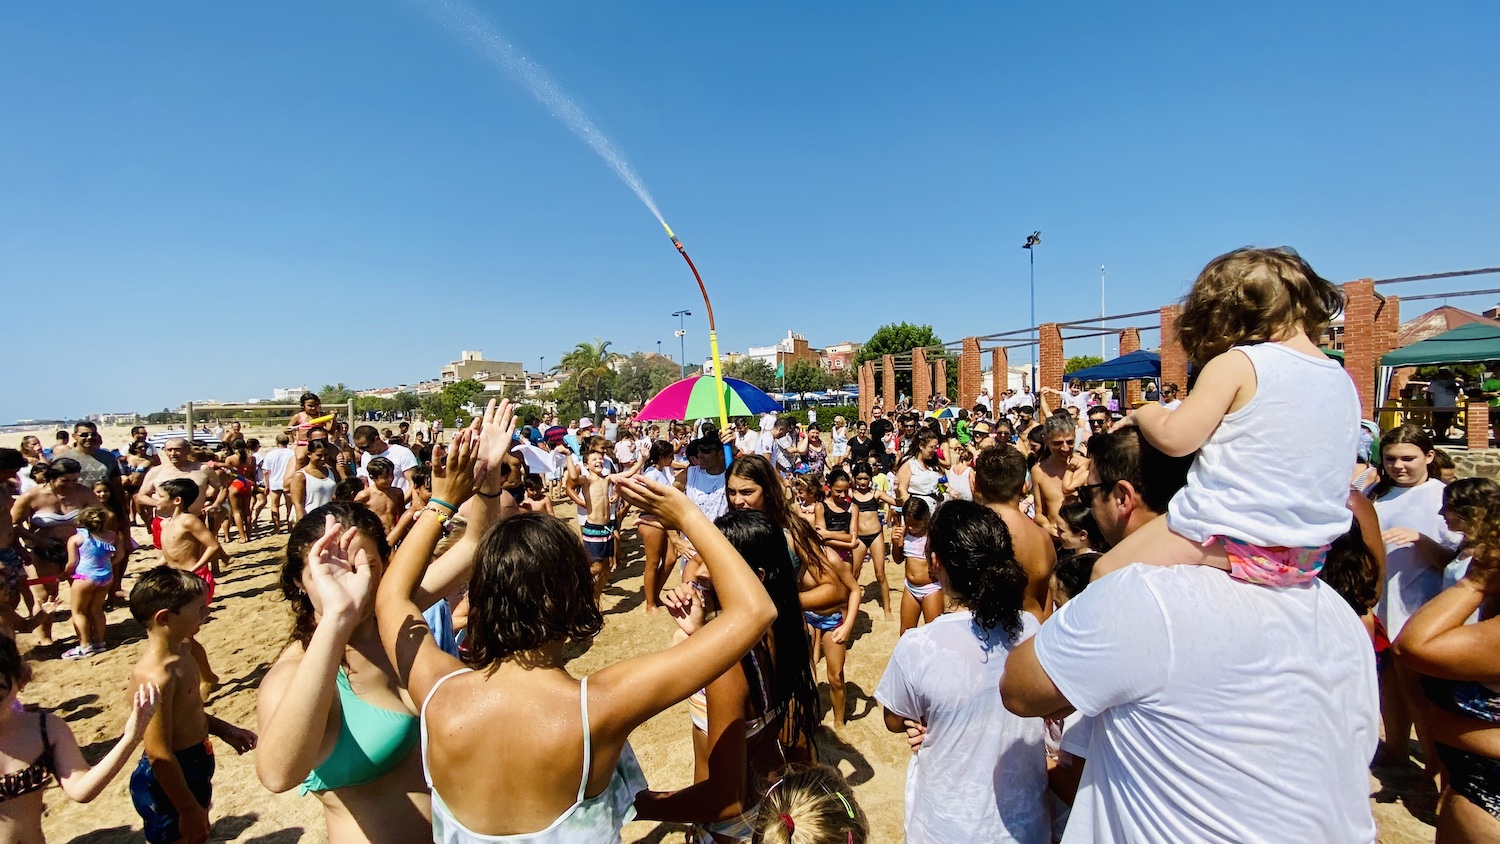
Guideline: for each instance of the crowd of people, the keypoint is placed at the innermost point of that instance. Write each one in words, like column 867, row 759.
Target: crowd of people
column 1189, row 620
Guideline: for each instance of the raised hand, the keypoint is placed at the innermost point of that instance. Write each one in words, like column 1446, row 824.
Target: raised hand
column 142, row 707
column 685, row 605
column 344, row 583
column 453, row 478
column 497, row 429
column 667, row 503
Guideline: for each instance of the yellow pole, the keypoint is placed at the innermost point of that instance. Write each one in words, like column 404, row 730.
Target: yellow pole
column 713, row 347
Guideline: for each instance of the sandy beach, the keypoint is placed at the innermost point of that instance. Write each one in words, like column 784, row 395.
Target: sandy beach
column 250, row 626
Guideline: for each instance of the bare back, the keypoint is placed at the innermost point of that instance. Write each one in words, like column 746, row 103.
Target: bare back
column 1036, row 554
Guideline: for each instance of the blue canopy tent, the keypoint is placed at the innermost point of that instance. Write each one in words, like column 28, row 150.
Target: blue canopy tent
column 1137, row 364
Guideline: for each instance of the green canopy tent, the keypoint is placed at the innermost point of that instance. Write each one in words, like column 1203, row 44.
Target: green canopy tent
column 1475, row 342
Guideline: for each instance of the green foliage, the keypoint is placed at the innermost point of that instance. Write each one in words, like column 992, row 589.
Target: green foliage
column 448, row 403
column 165, row 417
column 334, row 395
column 569, row 405
column 588, row 367
column 850, row 412
column 1078, row 362
column 804, row 376
column 756, row 373
column 527, row 411
column 642, row 376
column 899, row 339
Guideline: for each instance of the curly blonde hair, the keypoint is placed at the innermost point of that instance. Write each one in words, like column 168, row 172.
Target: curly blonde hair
column 1254, row 296
column 811, row 806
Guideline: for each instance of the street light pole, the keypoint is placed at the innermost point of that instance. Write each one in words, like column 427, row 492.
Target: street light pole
column 1103, row 338
column 1031, row 241
column 682, row 337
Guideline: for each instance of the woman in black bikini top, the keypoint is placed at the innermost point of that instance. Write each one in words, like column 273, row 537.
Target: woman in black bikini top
column 870, row 533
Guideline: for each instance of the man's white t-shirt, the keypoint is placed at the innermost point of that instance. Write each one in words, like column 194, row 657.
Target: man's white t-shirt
column 273, row 465
column 1172, row 405
column 397, row 454
column 981, row 774
column 1220, row 711
column 1079, row 400
column 748, row 442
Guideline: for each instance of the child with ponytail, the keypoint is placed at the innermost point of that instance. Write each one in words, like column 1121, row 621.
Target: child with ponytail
column 811, row 806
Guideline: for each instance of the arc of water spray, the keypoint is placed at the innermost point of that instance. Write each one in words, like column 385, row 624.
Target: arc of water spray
column 482, row 35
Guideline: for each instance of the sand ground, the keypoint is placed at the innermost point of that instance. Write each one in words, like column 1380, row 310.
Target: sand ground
column 250, row 625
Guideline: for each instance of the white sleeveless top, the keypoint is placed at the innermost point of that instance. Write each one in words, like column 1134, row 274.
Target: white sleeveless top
column 961, row 486
column 707, row 491
column 1276, row 471
column 316, row 491
column 924, row 481
column 590, row 820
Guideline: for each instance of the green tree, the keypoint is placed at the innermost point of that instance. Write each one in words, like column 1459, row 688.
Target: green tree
column 1081, row 362
column 804, row 376
column 642, row 376
column 588, row 365
column 335, row 394
column 406, row 402
column 756, row 373
column 899, row 339
column 447, row 403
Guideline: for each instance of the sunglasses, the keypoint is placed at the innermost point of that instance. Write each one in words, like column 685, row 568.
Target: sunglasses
column 1086, row 492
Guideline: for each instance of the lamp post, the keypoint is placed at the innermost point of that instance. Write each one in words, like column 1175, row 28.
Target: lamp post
column 682, row 337
column 1103, row 338
column 1033, row 240
column 658, row 348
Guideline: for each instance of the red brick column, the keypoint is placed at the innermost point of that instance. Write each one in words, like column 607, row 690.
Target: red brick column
column 940, row 377
column 1361, row 357
column 1130, row 341
column 921, row 379
column 1050, row 358
column 1477, row 424
column 1387, row 326
column 1173, row 358
column 970, row 372
column 866, row 389
column 999, row 375
column 888, row 382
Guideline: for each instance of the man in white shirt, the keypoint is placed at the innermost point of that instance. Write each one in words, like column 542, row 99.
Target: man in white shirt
column 274, row 465
column 371, row 446
column 1169, row 398
column 1216, row 710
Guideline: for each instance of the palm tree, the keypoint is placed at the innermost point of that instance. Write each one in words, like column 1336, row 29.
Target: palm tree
column 589, row 367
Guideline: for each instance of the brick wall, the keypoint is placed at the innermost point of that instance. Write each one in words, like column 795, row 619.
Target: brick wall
column 1051, row 362
column 888, row 382
column 1387, row 326
column 1477, row 424
column 866, row 388
column 921, row 379
column 940, row 377
column 1173, row 358
column 970, row 372
column 999, row 374
column 1360, row 342
column 1130, row 341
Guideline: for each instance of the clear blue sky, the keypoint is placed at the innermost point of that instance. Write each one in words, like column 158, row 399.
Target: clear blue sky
column 208, row 200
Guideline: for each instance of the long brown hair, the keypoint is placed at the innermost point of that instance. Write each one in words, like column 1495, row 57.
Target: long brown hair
column 756, row 469
column 1254, row 296
column 1407, row 434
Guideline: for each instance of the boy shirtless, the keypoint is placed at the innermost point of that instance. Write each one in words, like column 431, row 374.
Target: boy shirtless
column 188, row 544
column 172, row 787
column 537, row 500
column 383, row 498
column 596, row 502
column 1059, row 473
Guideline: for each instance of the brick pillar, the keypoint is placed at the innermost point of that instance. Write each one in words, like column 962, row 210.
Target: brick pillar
column 970, row 372
column 1360, row 341
column 999, row 374
column 1477, row 424
column 940, row 377
column 921, row 379
column 866, row 389
column 1130, row 341
column 1050, row 358
column 1387, row 326
column 888, row 382
column 1173, row 358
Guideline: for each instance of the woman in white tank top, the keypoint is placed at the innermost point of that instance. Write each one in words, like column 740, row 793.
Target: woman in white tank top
column 312, row 487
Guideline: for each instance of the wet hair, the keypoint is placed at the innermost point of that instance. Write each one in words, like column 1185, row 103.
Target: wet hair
column 163, row 588
column 1058, row 425
column 1074, row 570
column 421, row 477
column 793, row 686
column 531, row 585
column 1351, row 570
column 15, row 671
column 837, row 475
column 308, row 530
column 532, row 481
column 184, row 488
column 381, row 467
column 320, row 446
column 366, row 433
column 11, row 460
column 1480, row 503
column 1125, row 455
column 660, row 450
column 94, row 518
column 62, row 466
column 999, row 474
column 756, row 469
column 307, row 397
column 1079, row 517
column 812, row 805
column 1407, row 434
column 917, row 516
column 1254, row 296
column 39, row 470
column 971, row 543
column 346, row 489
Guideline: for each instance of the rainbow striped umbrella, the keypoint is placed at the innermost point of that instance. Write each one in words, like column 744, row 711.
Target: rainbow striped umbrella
column 693, row 398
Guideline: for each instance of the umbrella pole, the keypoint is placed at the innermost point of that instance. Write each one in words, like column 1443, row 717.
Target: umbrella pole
column 713, row 335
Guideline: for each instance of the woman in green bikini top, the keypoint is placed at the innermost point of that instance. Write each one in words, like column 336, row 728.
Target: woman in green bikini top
column 336, row 722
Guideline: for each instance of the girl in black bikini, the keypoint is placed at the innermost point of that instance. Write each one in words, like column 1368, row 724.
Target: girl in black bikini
column 46, row 740
column 833, row 520
column 870, row 533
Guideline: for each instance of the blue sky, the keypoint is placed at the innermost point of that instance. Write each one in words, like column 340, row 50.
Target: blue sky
column 211, row 200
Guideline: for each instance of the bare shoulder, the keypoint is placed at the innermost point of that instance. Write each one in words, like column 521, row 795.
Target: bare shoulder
column 281, row 673
column 150, row 670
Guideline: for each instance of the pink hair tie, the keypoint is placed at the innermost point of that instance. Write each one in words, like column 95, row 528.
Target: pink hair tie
column 787, row 819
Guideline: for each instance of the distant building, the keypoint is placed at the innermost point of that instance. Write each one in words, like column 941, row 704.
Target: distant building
column 787, row 351
column 840, row 356
column 288, row 394
column 471, row 364
column 726, row 358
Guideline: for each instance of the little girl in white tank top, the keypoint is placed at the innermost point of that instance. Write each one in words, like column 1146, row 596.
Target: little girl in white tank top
column 1274, row 422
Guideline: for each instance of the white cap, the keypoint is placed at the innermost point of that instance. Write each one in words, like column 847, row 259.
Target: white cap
column 585, row 422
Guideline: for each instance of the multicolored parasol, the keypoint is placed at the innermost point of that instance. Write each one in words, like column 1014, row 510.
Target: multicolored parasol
column 693, row 398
